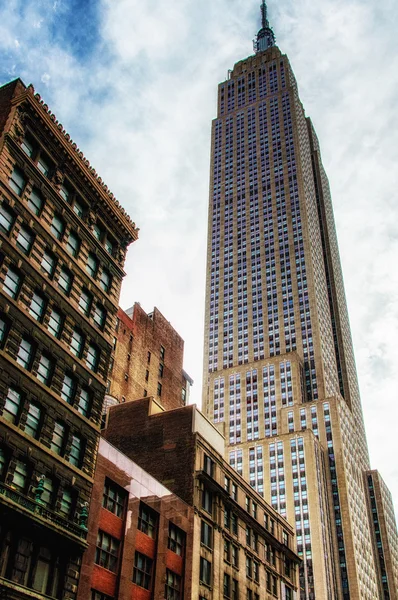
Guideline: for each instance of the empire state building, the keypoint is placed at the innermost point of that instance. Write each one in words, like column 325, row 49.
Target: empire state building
column 279, row 371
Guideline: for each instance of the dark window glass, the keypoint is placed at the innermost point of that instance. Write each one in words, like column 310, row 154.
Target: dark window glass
column 36, row 201
column 207, row 501
column 4, row 329
column 114, row 498
column 172, row 590
column 44, row 164
column 12, row 282
column 147, row 520
column 205, row 571
column 142, row 573
column 73, row 244
column 58, row 226
column 92, row 265
column 28, row 147
column 17, row 181
column 206, row 534
column 176, row 541
column 159, row 390
column 107, row 551
column 97, row 231
column 7, row 218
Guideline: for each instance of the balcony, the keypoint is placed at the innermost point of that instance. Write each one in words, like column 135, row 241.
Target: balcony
column 41, row 514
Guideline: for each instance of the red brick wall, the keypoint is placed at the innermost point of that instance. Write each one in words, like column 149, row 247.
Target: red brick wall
column 136, row 337
column 162, row 444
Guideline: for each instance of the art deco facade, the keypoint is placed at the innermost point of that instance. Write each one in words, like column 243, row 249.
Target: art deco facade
column 63, row 238
column 279, row 371
column 147, row 359
column 236, row 545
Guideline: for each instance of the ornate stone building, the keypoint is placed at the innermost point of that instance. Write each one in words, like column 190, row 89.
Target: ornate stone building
column 63, row 240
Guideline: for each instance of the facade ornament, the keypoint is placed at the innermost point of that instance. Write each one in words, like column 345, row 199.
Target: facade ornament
column 83, row 516
column 39, row 489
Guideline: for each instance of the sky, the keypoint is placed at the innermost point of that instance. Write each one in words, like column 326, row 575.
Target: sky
column 135, row 85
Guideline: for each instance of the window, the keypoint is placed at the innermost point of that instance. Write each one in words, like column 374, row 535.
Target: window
column 249, row 594
column 20, row 476
column 48, row 492
column 159, row 390
column 208, row 465
column 100, row 596
column 110, row 246
column 227, row 483
column 75, row 453
column 114, row 498
column 73, row 244
column 249, row 567
column 288, row 593
column 12, row 282
column 234, row 522
column 48, row 262
column 172, row 589
column 17, row 181
column 146, row 375
column 55, row 323
column 162, row 352
column 285, row 537
column 227, row 586
column 235, row 492
column 107, row 551
column 4, row 328
column 77, row 343
column 207, row 501
column 68, row 388
column 12, row 405
column 227, row 551
column 3, row 462
column 65, row 193
column 65, row 280
column 147, row 520
column 7, row 218
column 254, row 510
column 256, row 571
column 58, row 438
column 98, row 232
column 37, row 306
column 25, row 239
column 99, row 316
column 35, row 201
column 28, row 147
column 45, row 369
column 83, row 402
column 92, row 358
column 235, row 555
column 206, row 534
column 176, row 542
column 44, row 165
column 105, row 280
column 85, row 301
column 92, row 265
column 78, row 208
column 149, row 358
column 142, row 573
column 161, row 370
column 235, row 589
column 25, row 354
column 58, row 226
column 66, row 502
column 247, row 503
column 205, row 571
column 32, row 425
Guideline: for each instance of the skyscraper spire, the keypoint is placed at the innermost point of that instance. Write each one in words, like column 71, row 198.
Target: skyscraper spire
column 265, row 37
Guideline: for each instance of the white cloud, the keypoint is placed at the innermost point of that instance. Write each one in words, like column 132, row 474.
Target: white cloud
column 141, row 108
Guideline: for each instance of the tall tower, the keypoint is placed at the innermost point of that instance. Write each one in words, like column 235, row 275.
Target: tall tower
column 279, row 369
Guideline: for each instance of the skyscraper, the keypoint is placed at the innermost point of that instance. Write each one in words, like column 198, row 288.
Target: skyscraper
column 279, row 369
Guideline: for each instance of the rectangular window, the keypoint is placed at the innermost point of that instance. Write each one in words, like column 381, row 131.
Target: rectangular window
column 207, row 501
column 44, row 164
column 205, row 571
column 17, row 181
column 105, row 280
column 3, row 462
column 65, row 280
column 227, row 586
column 97, row 231
column 235, row 589
column 58, row 438
column 227, row 484
column 206, row 534
column 92, row 265
column 234, row 524
column 249, row 567
column 78, row 208
column 4, row 329
column 227, row 551
column 55, row 323
column 235, row 492
column 37, row 306
column 36, row 202
column 28, row 147
column 162, row 353
column 208, row 465
column 254, row 510
column 45, row 369
column 68, row 388
column 142, row 573
column 65, row 193
column 114, row 498
column 107, row 551
column 7, row 218
column 66, row 503
column 12, row 405
column 83, row 402
column 77, row 343
column 147, row 520
column 32, row 425
column 20, row 476
column 92, row 358
column 25, row 354
column 48, row 492
column 48, row 263
column 159, row 389
column 172, row 590
column 12, row 282
column 235, row 556
column 160, row 372
column 73, row 244
column 100, row 596
column 256, row 571
column 75, row 453
column 85, row 301
column 99, row 316
column 176, row 542
column 25, row 239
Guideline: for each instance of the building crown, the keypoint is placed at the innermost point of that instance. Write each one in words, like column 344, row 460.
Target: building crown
column 265, row 37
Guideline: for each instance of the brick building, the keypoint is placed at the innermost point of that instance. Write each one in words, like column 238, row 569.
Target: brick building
column 63, row 238
column 148, row 359
column 140, row 535
column 241, row 547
